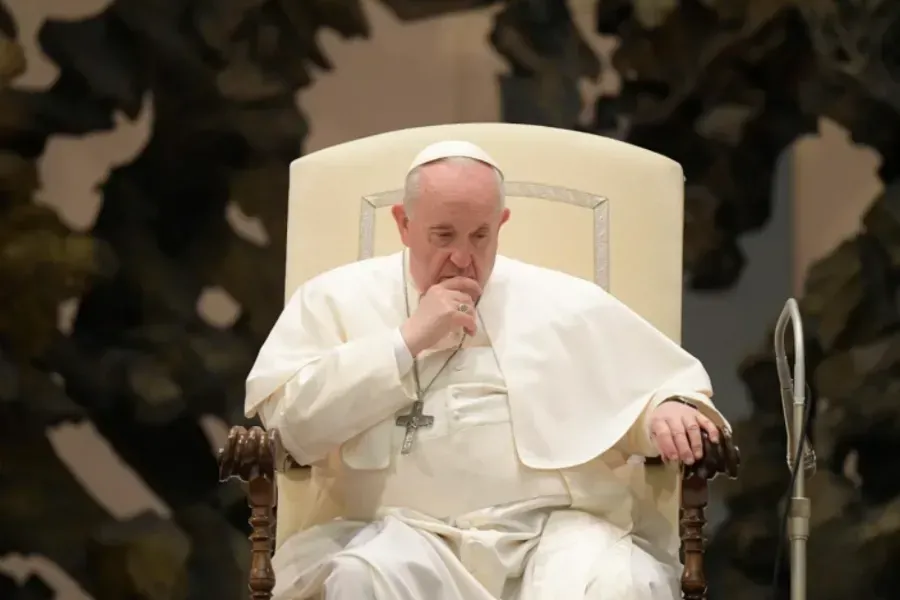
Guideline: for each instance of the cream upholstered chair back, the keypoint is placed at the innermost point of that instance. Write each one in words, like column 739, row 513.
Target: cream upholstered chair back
column 587, row 205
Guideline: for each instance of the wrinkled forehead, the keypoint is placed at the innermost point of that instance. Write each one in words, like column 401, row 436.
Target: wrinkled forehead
column 470, row 184
column 458, row 216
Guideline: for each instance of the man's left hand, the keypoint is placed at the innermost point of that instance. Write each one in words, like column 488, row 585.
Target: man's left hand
column 675, row 430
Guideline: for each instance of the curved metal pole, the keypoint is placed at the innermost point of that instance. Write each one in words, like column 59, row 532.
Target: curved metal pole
column 793, row 400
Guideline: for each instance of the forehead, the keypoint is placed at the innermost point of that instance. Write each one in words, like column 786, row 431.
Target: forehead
column 458, row 187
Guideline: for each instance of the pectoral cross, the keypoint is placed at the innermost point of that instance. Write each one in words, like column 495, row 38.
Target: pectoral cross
column 412, row 422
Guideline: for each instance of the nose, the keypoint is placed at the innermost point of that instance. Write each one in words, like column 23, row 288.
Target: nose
column 461, row 259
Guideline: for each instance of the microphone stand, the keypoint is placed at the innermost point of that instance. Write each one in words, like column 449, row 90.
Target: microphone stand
column 793, row 399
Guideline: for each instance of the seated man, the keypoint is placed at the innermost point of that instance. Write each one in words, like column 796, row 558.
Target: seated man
column 475, row 414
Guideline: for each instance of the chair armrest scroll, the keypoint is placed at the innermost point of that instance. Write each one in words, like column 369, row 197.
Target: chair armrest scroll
column 249, row 455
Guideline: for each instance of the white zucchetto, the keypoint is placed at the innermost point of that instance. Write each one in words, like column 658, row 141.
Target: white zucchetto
column 452, row 149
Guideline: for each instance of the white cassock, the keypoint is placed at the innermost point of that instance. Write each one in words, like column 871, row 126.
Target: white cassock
column 522, row 489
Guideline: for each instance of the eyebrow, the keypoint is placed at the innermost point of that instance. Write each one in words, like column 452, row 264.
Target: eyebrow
column 448, row 227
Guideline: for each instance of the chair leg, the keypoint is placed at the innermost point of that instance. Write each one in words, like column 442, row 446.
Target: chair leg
column 694, row 498
column 250, row 457
column 721, row 458
column 261, row 498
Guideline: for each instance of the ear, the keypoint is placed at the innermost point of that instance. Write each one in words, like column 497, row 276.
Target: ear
column 402, row 221
column 504, row 217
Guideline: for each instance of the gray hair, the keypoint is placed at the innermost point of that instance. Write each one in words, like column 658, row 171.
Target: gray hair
column 411, row 189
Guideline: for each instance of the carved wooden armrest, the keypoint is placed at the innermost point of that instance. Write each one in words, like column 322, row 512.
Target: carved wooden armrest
column 249, row 455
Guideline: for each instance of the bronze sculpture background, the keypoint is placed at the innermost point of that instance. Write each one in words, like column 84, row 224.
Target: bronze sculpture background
column 721, row 86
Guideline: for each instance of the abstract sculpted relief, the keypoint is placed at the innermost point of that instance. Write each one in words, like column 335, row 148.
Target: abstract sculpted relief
column 723, row 87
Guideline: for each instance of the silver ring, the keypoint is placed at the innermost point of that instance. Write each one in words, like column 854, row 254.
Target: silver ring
column 463, row 308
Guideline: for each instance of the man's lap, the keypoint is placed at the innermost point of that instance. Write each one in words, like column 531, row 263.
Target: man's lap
column 581, row 556
column 576, row 555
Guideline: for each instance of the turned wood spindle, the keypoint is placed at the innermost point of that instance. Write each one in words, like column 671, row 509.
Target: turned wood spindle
column 261, row 497
column 694, row 498
column 249, row 456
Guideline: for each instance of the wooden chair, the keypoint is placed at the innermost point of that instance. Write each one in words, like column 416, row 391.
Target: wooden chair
column 593, row 204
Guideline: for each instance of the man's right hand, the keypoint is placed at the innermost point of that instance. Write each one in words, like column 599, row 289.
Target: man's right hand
column 438, row 313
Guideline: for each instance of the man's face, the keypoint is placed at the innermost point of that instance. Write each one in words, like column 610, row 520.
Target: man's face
column 453, row 225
